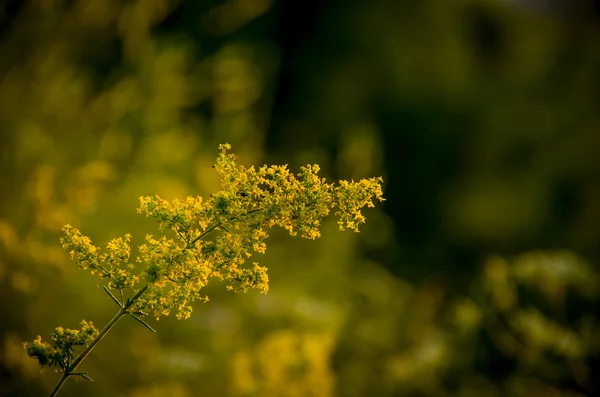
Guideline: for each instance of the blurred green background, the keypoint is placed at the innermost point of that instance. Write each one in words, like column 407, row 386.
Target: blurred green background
column 477, row 277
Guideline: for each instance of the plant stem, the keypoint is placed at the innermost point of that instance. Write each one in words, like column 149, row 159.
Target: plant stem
column 200, row 237
column 213, row 227
column 69, row 371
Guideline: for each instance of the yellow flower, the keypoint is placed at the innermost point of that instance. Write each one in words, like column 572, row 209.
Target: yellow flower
column 205, row 238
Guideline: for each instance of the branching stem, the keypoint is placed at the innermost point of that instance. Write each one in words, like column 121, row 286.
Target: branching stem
column 70, row 371
column 125, row 306
column 200, row 237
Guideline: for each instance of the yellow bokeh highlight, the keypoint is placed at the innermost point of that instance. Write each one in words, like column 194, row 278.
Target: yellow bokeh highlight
column 285, row 363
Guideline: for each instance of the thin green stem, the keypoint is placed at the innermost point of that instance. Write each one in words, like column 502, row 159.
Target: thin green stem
column 112, row 296
column 215, row 226
column 200, row 237
column 69, row 371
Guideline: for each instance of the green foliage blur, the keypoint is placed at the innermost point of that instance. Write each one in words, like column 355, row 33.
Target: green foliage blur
column 478, row 276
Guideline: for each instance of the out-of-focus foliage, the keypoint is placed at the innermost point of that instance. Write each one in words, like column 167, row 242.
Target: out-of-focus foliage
column 481, row 115
column 285, row 363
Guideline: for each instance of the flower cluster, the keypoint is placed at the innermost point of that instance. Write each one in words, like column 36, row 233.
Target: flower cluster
column 113, row 265
column 211, row 238
column 250, row 202
column 60, row 351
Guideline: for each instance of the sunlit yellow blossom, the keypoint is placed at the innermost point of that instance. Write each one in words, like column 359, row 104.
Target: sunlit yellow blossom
column 179, row 264
column 64, row 340
column 251, row 200
column 206, row 238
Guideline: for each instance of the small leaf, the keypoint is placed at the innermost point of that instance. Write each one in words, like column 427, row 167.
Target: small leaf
column 224, row 228
column 143, row 323
column 83, row 375
column 112, row 296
